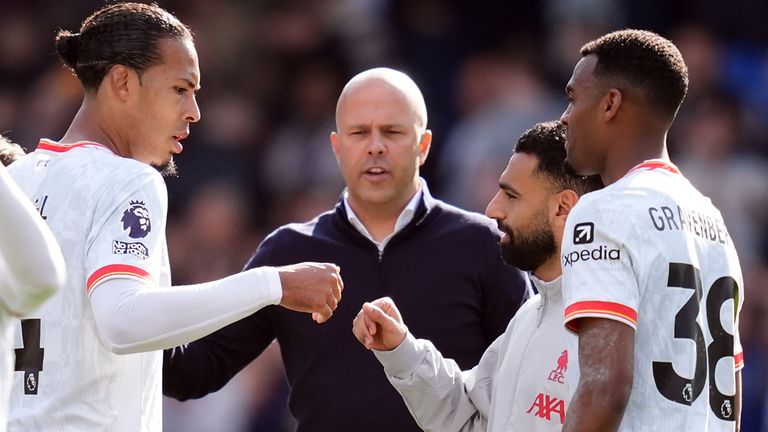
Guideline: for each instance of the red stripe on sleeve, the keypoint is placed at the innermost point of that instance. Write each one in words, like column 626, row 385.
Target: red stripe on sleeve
column 115, row 270
column 739, row 360
column 599, row 309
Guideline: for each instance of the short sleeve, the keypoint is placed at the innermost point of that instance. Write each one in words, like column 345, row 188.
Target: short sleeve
column 598, row 277
column 127, row 239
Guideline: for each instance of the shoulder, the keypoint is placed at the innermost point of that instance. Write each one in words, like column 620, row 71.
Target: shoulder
column 453, row 217
column 528, row 309
column 619, row 202
column 318, row 227
column 102, row 167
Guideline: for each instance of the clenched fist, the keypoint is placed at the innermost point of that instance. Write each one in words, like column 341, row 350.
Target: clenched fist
column 379, row 325
column 311, row 287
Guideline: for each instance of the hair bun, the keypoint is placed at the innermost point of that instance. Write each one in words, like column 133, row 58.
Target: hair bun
column 68, row 46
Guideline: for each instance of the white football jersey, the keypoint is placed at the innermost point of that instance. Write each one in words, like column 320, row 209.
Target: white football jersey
column 652, row 252
column 108, row 214
column 6, row 353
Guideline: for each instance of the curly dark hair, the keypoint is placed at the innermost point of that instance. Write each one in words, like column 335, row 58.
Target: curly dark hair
column 546, row 141
column 121, row 33
column 646, row 61
column 9, row 151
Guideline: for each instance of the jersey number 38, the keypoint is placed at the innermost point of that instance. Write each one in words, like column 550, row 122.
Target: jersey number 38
column 684, row 390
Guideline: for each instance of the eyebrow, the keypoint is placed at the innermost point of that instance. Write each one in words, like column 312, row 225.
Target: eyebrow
column 190, row 83
column 508, row 188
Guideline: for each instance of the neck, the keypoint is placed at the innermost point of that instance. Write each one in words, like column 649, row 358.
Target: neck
column 90, row 124
column 379, row 218
column 550, row 269
column 631, row 154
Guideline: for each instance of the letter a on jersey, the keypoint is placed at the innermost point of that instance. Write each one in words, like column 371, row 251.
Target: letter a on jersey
column 547, row 405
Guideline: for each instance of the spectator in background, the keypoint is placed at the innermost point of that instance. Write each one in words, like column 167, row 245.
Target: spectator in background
column 500, row 96
column 390, row 237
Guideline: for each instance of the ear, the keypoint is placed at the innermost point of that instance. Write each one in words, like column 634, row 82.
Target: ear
column 335, row 145
column 612, row 103
column 121, row 81
column 562, row 204
column 424, row 145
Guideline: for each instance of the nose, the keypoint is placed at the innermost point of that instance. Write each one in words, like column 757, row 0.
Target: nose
column 494, row 210
column 376, row 145
column 193, row 113
column 564, row 116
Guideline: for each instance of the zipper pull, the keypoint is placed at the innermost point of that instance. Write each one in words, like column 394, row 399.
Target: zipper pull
column 541, row 309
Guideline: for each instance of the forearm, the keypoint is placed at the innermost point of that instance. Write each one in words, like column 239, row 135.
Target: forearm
column 438, row 394
column 35, row 264
column 595, row 407
column 177, row 315
column 606, row 363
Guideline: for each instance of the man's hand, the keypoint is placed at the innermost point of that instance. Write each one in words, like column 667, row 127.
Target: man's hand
column 311, row 287
column 379, row 325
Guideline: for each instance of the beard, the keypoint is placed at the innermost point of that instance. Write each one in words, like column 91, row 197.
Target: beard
column 168, row 169
column 530, row 250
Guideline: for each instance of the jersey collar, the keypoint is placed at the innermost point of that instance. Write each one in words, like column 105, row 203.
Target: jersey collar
column 50, row 145
column 654, row 164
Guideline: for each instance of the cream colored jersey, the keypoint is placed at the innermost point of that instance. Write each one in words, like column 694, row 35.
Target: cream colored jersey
column 108, row 214
column 6, row 356
column 653, row 253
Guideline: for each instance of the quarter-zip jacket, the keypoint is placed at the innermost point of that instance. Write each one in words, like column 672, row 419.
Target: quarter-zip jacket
column 521, row 383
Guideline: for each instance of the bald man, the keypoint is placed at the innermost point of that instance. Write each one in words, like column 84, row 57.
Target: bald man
column 391, row 238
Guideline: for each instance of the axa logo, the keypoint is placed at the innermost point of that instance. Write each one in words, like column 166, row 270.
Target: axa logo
column 558, row 374
column 597, row 254
column 545, row 406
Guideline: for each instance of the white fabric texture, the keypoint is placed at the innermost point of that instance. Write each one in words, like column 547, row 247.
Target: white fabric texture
column 31, row 270
column 118, row 304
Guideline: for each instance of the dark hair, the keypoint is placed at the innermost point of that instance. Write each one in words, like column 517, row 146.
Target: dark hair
column 546, row 141
column 646, row 61
column 122, row 33
column 9, row 151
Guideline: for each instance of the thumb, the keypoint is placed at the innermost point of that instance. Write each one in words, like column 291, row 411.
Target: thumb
column 378, row 316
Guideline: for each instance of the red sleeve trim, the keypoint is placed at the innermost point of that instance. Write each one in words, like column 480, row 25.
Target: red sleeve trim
column 739, row 360
column 115, row 270
column 599, row 309
column 61, row 148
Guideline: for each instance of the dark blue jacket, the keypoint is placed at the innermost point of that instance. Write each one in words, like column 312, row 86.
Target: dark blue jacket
column 445, row 274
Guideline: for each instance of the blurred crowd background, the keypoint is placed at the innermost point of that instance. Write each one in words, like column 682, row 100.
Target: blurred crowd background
column 271, row 73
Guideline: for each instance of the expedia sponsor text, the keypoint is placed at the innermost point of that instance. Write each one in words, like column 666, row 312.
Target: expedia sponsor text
column 597, row 254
